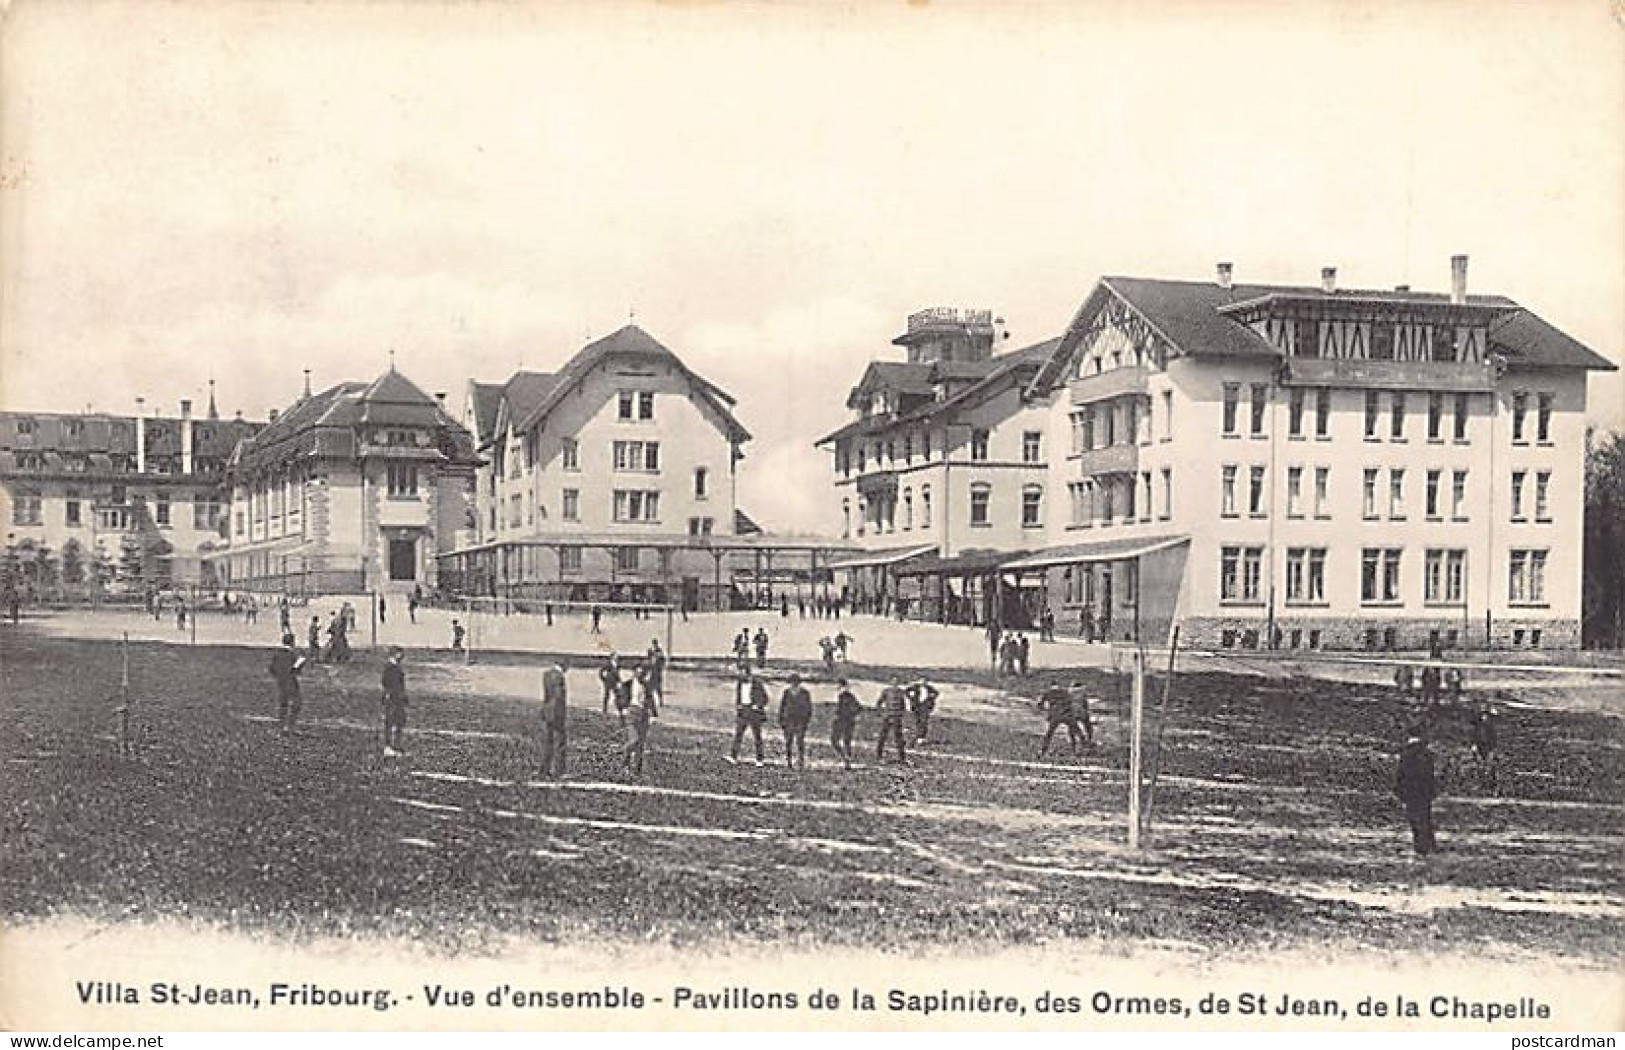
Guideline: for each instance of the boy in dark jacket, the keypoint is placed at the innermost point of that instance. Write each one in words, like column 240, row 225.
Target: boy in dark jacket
column 394, row 703
column 795, row 715
column 285, row 667
column 847, row 707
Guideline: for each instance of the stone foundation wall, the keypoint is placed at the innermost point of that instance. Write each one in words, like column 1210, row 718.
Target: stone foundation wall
column 1372, row 634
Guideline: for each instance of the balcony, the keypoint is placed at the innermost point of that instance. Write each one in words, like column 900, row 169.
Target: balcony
column 1107, row 385
column 1465, row 377
column 877, row 482
column 1112, row 459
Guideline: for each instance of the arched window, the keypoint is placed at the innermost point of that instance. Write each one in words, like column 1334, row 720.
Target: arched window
column 908, row 508
column 846, row 519
column 925, row 506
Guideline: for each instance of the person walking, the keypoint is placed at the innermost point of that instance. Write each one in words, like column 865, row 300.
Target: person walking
column 635, row 721
column 795, row 716
column 609, row 676
column 412, row 601
column 314, row 636
column 845, row 725
column 750, row 711
column 654, row 669
column 555, row 719
column 394, row 703
column 893, row 705
column 1416, row 787
column 994, row 648
column 285, row 667
column 760, row 642
column 1060, row 707
column 1024, row 652
column 457, row 634
column 922, row 700
column 1484, row 732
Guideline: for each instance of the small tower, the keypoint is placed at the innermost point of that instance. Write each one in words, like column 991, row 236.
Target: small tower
column 948, row 333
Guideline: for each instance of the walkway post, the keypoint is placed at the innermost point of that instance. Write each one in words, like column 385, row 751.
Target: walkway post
column 1136, row 748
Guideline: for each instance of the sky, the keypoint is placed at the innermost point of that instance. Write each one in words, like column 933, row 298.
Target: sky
column 243, row 191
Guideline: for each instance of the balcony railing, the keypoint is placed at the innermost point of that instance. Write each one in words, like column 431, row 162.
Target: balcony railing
column 1115, row 383
column 1388, row 375
column 1112, row 459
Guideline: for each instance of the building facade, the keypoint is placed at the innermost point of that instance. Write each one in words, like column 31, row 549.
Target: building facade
column 356, row 489
column 615, row 479
column 1305, row 467
column 92, row 501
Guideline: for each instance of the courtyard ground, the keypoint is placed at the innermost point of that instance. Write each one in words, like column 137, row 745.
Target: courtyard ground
column 1275, row 824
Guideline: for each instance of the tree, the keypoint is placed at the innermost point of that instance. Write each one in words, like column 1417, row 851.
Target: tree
column 73, row 562
column 1602, row 622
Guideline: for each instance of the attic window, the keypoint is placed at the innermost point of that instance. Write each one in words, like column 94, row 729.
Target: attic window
column 25, row 425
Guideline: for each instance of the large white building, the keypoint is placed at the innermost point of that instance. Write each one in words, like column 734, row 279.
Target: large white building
column 132, row 502
column 1296, row 466
column 355, row 489
column 614, row 479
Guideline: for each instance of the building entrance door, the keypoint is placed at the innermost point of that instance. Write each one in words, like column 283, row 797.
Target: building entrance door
column 403, row 559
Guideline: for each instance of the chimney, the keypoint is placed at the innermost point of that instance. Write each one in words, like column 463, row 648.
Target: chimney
column 307, row 382
column 1458, row 278
column 214, row 413
column 1225, row 271
column 1402, row 287
column 140, row 435
column 272, row 415
column 440, row 396
column 186, row 437
column 1328, row 279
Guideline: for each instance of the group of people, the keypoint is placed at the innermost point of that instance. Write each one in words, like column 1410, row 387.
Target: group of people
column 1416, row 781
column 897, row 701
column 1010, row 651
column 745, row 643
column 829, row 649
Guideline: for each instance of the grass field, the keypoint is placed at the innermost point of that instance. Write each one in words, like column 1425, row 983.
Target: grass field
column 1276, row 825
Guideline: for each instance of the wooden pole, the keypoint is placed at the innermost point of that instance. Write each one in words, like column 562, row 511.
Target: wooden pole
column 1135, row 750
column 1162, row 722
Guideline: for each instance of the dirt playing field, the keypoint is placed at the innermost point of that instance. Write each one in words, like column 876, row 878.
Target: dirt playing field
column 1275, row 821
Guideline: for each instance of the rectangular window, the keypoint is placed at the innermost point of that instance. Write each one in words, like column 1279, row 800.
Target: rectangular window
column 1543, row 480
column 1369, row 502
column 701, row 483
column 1167, row 415
column 1526, row 584
column 1435, row 416
column 1443, row 577
column 1396, row 493
column 646, row 404
column 1396, row 417
column 1463, row 404
column 628, row 559
column 1255, row 492
column 1032, row 507
column 569, row 454
column 641, row 457
column 1458, row 495
column 925, row 507
column 160, row 509
column 1167, row 493
column 402, row 480
column 1145, row 495
column 1322, row 486
column 1379, row 574
column 1294, row 492
column 570, row 505
column 637, row 505
column 1128, row 499
column 1520, row 409
column 1307, row 341
column 1294, row 416
column 1543, row 418
column 1031, row 446
column 1371, row 411
column 627, row 404
column 1382, row 342
column 978, row 445
column 1260, row 398
column 1432, row 496
column 1323, row 413
column 1227, row 504
column 71, row 510
column 980, row 495
column 25, row 508
column 569, row 559
column 1239, row 573
column 1517, row 495
column 1306, row 574
column 1232, row 398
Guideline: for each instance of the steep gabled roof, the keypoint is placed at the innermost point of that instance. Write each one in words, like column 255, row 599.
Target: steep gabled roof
column 902, row 377
column 630, row 341
column 484, row 399
column 1193, row 317
column 325, row 424
column 1017, row 366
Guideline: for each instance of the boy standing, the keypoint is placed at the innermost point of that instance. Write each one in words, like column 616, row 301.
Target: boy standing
column 394, row 682
column 795, row 715
column 847, row 707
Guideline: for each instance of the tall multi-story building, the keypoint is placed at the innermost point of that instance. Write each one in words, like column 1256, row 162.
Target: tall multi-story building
column 351, row 490
column 134, row 501
column 615, row 479
column 944, row 467
column 1308, row 466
